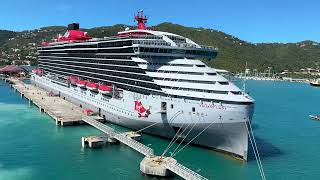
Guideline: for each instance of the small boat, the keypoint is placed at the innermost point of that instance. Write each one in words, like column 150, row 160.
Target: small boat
column 105, row 89
column 315, row 82
column 315, row 117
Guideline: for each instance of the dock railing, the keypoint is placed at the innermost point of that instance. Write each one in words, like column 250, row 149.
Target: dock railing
column 181, row 170
column 102, row 127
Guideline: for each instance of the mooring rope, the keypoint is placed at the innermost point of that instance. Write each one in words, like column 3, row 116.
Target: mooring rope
column 193, row 139
column 194, row 124
column 172, row 118
column 147, row 127
column 255, row 150
column 175, row 138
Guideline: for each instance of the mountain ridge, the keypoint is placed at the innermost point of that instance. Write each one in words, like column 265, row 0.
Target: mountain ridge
column 233, row 52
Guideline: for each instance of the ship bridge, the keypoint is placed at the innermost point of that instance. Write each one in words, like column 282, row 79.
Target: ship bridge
column 158, row 43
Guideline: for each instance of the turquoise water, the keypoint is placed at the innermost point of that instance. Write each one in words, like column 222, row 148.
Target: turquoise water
column 33, row 147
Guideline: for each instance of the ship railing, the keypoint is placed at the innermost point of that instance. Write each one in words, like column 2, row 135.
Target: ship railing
column 187, row 45
column 146, row 37
column 151, row 42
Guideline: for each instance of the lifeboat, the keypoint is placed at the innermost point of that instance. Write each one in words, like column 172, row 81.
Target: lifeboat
column 81, row 83
column 92, row 86
column 73, row 80
column 105, row 89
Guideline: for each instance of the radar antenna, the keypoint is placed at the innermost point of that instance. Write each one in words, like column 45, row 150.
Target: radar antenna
column 141, row 19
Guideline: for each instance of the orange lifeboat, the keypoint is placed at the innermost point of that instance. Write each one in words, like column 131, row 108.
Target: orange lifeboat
column 92, row 86
column 105, row 89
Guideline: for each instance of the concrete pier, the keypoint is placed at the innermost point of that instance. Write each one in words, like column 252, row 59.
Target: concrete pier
column 155, row 166
column 133, row 135
column 63, row 112
column 97, row 141
column 112, row 140
column 94, row 141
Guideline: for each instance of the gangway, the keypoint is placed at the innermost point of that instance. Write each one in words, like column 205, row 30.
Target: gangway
column 102, row 127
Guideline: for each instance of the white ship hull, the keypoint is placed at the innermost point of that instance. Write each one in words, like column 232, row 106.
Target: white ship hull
column 227, row 130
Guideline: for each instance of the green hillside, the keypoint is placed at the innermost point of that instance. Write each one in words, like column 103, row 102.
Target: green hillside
column 233, row 52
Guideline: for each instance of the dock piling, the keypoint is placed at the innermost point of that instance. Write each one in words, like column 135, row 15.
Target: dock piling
column 93, row 141
column 155, row 166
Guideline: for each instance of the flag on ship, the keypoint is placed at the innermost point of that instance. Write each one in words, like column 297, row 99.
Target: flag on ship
column 142, row 111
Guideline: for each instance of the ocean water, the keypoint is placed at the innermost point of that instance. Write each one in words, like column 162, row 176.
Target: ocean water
column 33, row 147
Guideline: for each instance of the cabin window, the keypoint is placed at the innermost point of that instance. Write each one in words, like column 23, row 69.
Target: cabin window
column 223, row 82
column 236, row 92
column 171, row 106
column 200, row 65
column 193, row 109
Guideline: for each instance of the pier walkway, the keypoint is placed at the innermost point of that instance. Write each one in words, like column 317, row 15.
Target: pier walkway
column 169, row 162
column 141, row 148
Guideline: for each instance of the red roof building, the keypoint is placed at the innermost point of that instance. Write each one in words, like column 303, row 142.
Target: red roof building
column 11, row 69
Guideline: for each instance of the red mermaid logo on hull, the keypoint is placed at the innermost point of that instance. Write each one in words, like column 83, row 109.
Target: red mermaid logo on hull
column 142, row 111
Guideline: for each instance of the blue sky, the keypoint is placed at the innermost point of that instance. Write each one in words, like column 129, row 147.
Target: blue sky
column 250, row 20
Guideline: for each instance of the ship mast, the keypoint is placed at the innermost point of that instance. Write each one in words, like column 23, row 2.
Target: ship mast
column 141, row 19
column 245, row 78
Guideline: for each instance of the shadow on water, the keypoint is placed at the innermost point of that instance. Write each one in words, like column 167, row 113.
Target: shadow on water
column 266, row 150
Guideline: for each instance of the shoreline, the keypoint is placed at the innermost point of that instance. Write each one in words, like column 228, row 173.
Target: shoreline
column 274, row 79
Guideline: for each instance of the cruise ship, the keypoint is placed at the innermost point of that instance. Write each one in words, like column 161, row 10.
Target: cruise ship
column 142, row 78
